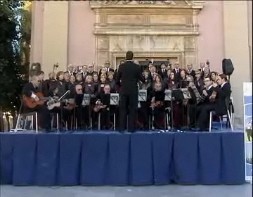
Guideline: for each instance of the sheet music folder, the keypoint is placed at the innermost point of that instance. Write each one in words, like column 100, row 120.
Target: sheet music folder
column 186, row 93
column 114, row 99
column 86, row 100
column 142, row 95
column 167, row 95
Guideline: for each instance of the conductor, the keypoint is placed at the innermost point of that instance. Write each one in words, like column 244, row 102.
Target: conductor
column 128, row 75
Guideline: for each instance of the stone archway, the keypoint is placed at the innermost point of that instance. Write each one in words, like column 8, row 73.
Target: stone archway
column 149, row 28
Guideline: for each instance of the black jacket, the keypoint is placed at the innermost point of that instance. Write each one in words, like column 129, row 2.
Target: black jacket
column 128, row 76
column 28, row 89
column 223, row 94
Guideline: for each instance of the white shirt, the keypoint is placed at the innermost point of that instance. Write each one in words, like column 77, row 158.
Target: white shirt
column 209, row 87
column 223, row 84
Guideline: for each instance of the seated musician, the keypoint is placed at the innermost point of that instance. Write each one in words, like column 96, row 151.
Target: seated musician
column 157, row 105
column 224, row 92
column 80, row 111
column 33, row 101
column 89, row 88
column 62, row 106
column 196, row 98
column 209, row 93
column 102, row 106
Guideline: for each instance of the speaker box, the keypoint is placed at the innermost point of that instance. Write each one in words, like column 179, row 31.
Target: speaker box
column 227, row 67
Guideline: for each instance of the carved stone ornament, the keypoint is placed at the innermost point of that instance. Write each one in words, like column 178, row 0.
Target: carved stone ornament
column 146, row 2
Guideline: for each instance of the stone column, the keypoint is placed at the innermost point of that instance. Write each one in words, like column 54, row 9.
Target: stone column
column 37, row 31
column 55, row 35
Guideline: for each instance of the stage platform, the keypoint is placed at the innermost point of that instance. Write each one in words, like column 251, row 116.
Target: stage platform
column 112, row 158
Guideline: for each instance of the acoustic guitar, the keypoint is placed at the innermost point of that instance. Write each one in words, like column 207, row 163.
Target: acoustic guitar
column 31, row 103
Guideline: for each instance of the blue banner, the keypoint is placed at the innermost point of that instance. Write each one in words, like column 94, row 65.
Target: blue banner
column 247, row 102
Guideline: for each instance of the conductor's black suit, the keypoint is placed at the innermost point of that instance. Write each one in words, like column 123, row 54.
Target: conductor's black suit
column 128, row 75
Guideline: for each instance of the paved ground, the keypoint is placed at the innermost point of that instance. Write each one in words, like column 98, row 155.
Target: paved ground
column 144, row 191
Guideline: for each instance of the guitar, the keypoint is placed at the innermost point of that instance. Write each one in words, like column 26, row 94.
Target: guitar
column 99, row 105
column 52, row 103
column 70, row 104
column 156, row 103
column 31, row 102
column 55, row 102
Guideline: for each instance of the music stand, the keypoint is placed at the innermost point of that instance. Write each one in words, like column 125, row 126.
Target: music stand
column 186, row 93
column 105, row 101
column 86, row 103
column 177, row 95
column 114, row 100
column 168, row 97
column 86, row 100
column 187, row 96
column 61, row 112
column 142, row 95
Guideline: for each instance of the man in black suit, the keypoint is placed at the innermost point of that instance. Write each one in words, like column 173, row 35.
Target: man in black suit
column 128, row 76
column 209, row 95
column 163, row 71
column 223, row 95
column 190, row 71
column 176, row 71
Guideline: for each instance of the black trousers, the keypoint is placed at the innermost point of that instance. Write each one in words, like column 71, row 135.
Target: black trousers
column 44, row 120
column 128, row 106
column 143, row 115
column 203, row 115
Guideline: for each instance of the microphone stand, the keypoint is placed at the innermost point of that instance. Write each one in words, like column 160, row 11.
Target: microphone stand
column 61, row 111
column 171, row 113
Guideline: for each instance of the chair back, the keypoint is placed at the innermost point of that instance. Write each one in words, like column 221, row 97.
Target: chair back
column 228, row 101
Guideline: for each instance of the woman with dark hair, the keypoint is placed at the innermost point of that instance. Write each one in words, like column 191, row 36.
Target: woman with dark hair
column 183, row 83
column 172, row 83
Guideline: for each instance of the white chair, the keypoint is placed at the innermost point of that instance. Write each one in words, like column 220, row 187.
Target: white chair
column 228, row 116
column 25, row 121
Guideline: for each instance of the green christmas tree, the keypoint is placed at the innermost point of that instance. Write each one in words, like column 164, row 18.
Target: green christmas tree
column 12, row 72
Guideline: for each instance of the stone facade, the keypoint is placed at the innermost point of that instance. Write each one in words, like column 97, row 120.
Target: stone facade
column 79, row 32
column 165, row 30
